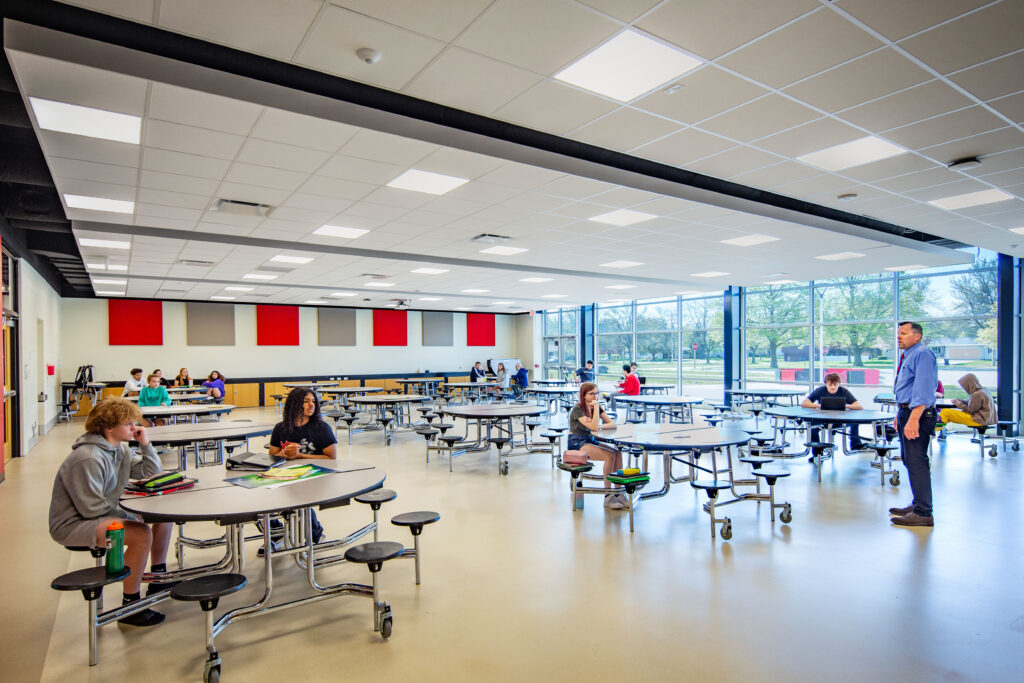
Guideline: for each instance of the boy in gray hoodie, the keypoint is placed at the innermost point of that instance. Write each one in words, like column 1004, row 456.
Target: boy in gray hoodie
column 89, row 485
column 978, row 410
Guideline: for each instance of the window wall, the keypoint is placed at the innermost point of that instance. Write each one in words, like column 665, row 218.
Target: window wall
column 561, row 342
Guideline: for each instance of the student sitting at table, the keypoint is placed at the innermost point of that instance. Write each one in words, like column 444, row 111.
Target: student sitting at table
column 501, row 377
column 164, row 382
column 304, row 434
column 215, row 385
column 832, row 388
column 629, row 386
column 89, row 485
column 183, row 379
column 583, row 419
column 978, row 410
column 134, row 384
column 521, row 378
column 476, row 373
column 153, row 395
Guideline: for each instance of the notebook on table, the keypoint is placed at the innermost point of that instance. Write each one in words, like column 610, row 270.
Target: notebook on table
column 833, row 403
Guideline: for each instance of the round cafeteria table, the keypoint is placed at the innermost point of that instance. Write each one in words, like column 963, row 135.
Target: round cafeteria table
column 399, row 404
column 182, row 435
column 661, row 404
column 764, row 395
column 829, row 419
column 500, row 416
column 343, row 393
column 424, row 385
column 462, row 389
column 189, row 411
column 550, row 382
column 554, row 397
column 651, row 388
column 177, row 398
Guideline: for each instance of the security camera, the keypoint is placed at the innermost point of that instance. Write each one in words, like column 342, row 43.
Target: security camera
column 368, row 55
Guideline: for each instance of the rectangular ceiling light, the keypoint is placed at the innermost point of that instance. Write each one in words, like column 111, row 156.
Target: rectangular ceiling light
column 622, row 217
column 108, row 293
column 343, row 294
column 96, row 266
column 235, row 288
column 430, row 271
column 554, row 296
column 915, row 266
column 710, row 273
column 750, row 240
column 103, row 244
column 94, row 123
column 1019, row 231
column 340, row 231
column 282, row 258
column 503, row 303
column 537, row 279
column 431, row 298
column 260, row 276
column 218, row 297
column 854, row 153
column 621, row 264
column 107, row 281
column 427, row 182
column 77, row 201
column 464, row 308
column 839, row 256
column 620, row 286
column 378, row 284
column 627, row 66
column 316, row 301
column 119, row 269
column 475, row 291
column 503, row 251
column 963, row 201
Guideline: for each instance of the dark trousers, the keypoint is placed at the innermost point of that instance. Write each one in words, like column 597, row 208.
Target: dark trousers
column 915, row 458
column 855, row 442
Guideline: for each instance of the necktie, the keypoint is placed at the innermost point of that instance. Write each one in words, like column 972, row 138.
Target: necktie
column 898, row 366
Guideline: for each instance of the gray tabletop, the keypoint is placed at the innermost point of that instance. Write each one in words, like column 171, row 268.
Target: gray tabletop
column 551, row 390
column 661, row 400
column 179, row 397
column 421, row 380
column 177, row 435
column 471, row 385
column 491, row 410
column 655, row 386
column 815, row 416
column 549, row 381
column 766, row 393
column 207, row 409
column 309, row 385
column 672, row 437
column 194, row 387
column 390, row 398
column 352, row 390
column 215, row 499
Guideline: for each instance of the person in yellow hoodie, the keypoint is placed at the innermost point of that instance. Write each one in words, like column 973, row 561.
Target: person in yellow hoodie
column 977, row 411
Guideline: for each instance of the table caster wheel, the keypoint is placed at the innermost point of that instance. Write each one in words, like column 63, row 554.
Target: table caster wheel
column 786, row 515
column 385, row 628
column 1016, row 445
column 504, row 468
column 895, row 479
column 993, row 452
column 211, row 674
column 727, row 530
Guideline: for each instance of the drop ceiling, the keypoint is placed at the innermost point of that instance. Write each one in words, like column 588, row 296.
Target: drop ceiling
column 941, row 79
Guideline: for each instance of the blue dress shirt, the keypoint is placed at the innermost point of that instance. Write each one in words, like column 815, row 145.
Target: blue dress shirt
column 918, row 377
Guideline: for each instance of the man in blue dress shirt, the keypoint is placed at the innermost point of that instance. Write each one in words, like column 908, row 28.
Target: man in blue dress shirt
column 917, row 376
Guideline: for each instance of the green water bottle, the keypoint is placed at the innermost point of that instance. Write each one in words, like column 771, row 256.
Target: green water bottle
column 115, row 547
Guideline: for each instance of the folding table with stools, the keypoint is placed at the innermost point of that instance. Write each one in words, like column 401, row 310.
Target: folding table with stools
column 493, row 421
column 678, row 409
column 829, row 421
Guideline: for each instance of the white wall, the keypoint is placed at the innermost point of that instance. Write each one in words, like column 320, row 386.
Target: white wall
column 527, row 330
column 85, row 340
column 38, row 302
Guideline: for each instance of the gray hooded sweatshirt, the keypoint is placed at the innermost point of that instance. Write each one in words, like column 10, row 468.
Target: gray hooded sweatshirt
column 980, row 405
column 91, row 480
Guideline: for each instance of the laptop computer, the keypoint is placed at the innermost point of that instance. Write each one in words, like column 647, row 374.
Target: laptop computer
column 254, row 461
column 833, row 403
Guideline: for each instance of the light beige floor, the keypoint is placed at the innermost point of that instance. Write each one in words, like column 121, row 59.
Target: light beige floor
column 517, row 587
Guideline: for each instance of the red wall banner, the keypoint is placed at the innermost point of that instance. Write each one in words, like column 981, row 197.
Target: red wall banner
column 135, row 322
column 390, row 328
column 277, row 325
column 480, row 329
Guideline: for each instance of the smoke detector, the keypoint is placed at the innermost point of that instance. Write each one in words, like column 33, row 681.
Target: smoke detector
column 964, row 164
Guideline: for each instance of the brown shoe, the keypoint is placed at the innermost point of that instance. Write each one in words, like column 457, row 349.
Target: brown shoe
column 913, row 519
column 899, row 512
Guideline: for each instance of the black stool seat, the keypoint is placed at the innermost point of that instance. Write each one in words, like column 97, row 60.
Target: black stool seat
column 423, row 411
column 770, row 474
column 427, row 433
column 87, row 579
column 443, row 426
column 534, row 422
column 762, row 439
column 636, row 421
column 569, row 467
column 450, row 438
column 376, row 497
column 820, row 445
column 551, row 435
column 374, row 553
column 711, row 484
column 881, row 448
column 385, row 419
column 500, row 441
column 204, row 588
column 96, row 552
column 756, row 459
column 557, row 429
column 416, row 520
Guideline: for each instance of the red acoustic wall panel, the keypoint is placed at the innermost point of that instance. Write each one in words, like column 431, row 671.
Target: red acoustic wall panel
column 277, row 325
column 390, row 328
column 480, row 329
column 134, row 322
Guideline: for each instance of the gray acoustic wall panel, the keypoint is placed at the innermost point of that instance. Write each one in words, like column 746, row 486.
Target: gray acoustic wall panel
column 438, row 328
column 336, row 326
column 210, row 324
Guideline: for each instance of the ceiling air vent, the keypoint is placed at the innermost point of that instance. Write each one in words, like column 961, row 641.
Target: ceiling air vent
column 240, row 208
column 374, row 276
column 194, row 262
column 488, row 238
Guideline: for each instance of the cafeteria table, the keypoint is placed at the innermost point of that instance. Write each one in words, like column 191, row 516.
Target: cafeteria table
column 190, row 412
column 555, row 398
column 426, row 386
column 499, row 416
column 399, row 404
column 192, row 434
column 680, row 407
column 343, row 393
column 460, row 390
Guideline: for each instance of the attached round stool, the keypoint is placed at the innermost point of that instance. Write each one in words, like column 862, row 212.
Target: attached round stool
column 883, row 460
column 443, row 427
column 91, row 582
column 428, row 434
column 712, row 487
column 385, row 420
column 500, row 442
column 415, row 521
column 207, row 591
column 374, row 555
column 771, row 476
column 450, row 440
column 819, row 451
column 375, row 499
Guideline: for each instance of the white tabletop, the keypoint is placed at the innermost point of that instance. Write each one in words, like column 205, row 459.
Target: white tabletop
column 203, row 409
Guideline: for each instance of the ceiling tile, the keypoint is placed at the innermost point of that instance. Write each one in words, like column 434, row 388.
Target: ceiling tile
column 777, row 174
column 953, row 126
column 554, row 108
column 520, row 176
column 51, row 79
column 269, row 27
column 87, row 170
column 538, row 35
column 265, row 153
column 817, row 41
column 468, row 81
column 624, row 129
column 252, row 193
column 177, row 183
column 336, row 35
column 706, row 92
column 993, row 79
column 441, row 19
column 336, row 187
column 387, row 148
column 759, row 118
column 88, row 149
column 909, row 106
column 1011, row 107
column 710, row 28
column 184, row 164
column 897, row 20
column 957, row 187
column 192, row 108
column 684, row 147
column 623, row 10
column 871, row 76
column 265, row 176
column 179, row 199
column 887, row 168
column 990, row 32
column 136, row 10
column 302, row 131
column 733, row 162
column 810, row 137
column 977, row 146
column 360, row 170
column 921, row 179
column 1002, row 161
column 191, row 140
column 315, row 202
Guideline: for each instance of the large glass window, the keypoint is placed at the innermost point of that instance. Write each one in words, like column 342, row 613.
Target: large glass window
column 561, row 342
column 613, row 350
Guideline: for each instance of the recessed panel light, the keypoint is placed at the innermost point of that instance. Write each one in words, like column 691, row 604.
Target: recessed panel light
column 475, row 291
column 839, row 256
column 427, row 182
column 620, row 286
column 96, row 266
column 236, row 288
column 536, row 279
column 108, row 281
column 464, row 308
column 627, row 66
column 621, row 264
column 283, row 258
column 503, row 251
column 502, row 303
column 223, row 298
column 103, row 244
column 431, row 298
column 77, row 201
column 554, row 296
column 378, row 284
column 430, row 271
column 622, row 217
column 910, row 267
column 780, row 282
column 343, row 294
column 1019, row 231
column 108, row 293
column 853, row 153
column 750, row 240
column 963, row 201
column 316, row 301
column 260, row 276
column 340, row 231
column 710, row 273
column 117, row 269
column 93, row 123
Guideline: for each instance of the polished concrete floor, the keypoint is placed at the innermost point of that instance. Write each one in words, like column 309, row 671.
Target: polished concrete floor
column 518, row 587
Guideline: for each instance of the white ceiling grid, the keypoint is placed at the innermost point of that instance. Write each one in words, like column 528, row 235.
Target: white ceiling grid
column 941, row 78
